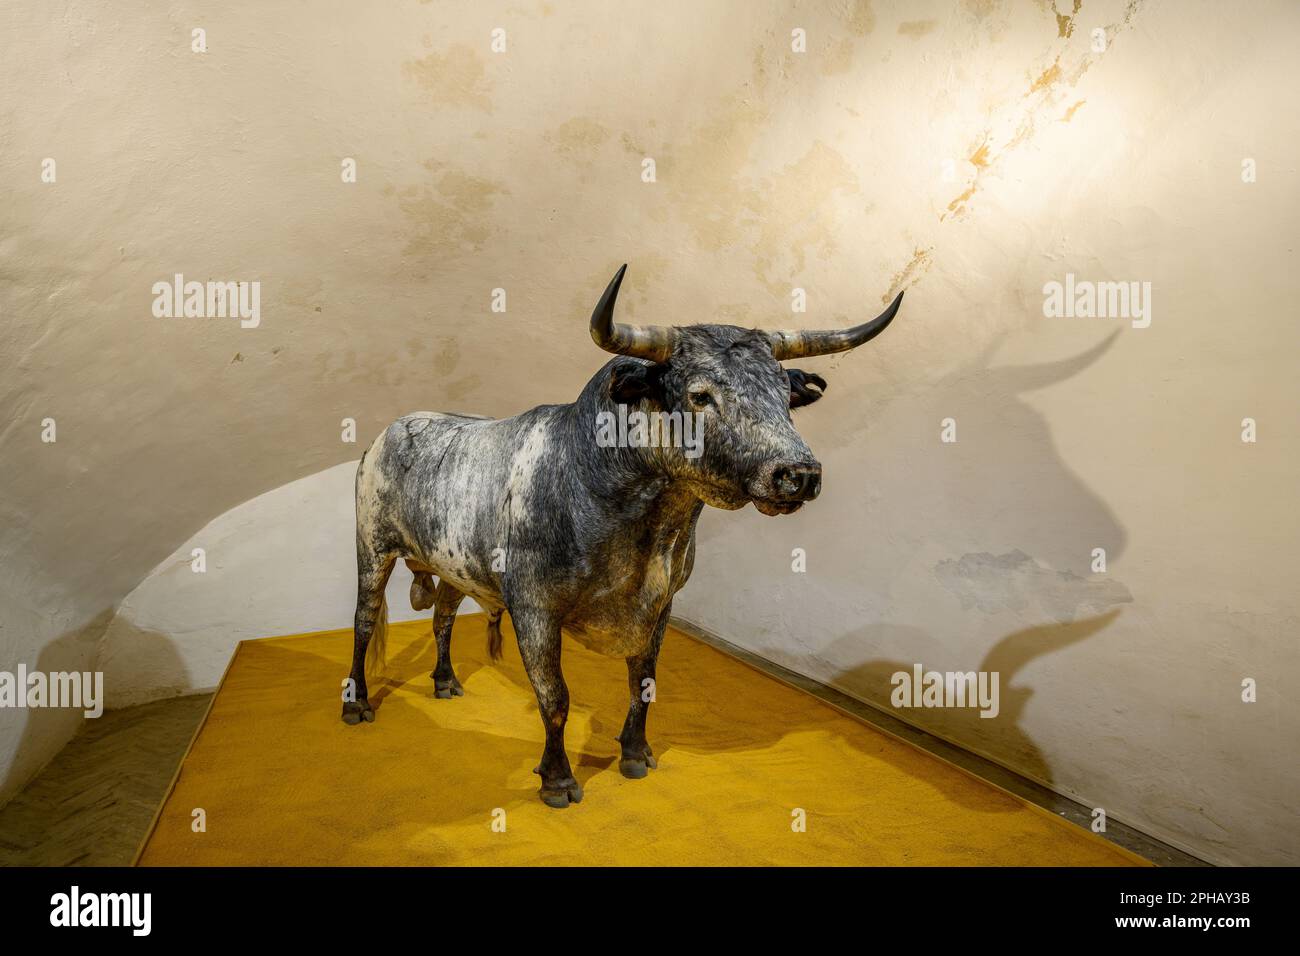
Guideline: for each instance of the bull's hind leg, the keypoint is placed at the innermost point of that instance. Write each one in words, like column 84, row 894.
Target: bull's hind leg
column 369, row 622
column 539, row 646
column 446, row 600
column 494, row 633
column 637, row 758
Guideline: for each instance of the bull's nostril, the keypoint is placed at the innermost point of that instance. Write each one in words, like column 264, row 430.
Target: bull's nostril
column 786, row 481
column 806, row 479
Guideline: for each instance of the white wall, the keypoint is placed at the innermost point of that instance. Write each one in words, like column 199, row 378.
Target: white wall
column 282, row 563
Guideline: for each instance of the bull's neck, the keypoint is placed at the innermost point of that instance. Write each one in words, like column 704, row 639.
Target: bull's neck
column 623, row 482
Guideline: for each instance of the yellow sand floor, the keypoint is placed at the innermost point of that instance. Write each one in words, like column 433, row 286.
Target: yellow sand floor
column 283, row 781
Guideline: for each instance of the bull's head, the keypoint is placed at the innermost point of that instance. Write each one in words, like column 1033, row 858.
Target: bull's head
column 733, row 379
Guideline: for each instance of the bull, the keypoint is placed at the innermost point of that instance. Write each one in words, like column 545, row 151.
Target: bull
column 534, row 516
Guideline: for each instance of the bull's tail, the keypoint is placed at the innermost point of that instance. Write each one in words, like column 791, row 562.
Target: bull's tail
column 494, row 634
column 377, row 650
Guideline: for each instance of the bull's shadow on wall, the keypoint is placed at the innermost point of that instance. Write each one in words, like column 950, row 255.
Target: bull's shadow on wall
column 1046, row 521
column 1001, row 738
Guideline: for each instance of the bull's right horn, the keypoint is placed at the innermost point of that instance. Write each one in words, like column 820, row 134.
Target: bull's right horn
column 653, row 342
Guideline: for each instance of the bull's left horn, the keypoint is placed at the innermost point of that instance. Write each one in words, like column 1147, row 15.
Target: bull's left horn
column 651, row 342
column 796, row 345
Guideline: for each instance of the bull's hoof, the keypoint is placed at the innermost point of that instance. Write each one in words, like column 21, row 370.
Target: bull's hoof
column 634, row 766
column 355, row 711
column 447, row 689
column 561, row 793
column 634, row 769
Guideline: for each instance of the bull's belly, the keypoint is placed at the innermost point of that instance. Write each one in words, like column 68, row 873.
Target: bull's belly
column 613, row 641
column 458, row 576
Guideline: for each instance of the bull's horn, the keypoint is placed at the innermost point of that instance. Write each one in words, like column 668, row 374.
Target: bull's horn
column 651, row 342
column 796, row 345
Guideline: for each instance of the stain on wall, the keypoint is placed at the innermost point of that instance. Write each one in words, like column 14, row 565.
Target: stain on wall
column 456, row 79
column 917, row 28
column 448, row 217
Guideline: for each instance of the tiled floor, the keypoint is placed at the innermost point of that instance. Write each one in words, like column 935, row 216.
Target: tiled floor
column 92, row 805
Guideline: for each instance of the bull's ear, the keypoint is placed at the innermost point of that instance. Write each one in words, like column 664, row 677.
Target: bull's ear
column 629, row 382
column 805, row 387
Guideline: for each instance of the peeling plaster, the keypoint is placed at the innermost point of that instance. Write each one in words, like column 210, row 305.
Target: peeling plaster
column 1045, row 91
column 1016, row 582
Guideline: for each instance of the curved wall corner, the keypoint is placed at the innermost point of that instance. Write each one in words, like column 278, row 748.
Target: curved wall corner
column 281, row 563
column 45, row 633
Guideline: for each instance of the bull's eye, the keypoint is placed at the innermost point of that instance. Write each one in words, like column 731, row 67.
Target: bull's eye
column 701, row 399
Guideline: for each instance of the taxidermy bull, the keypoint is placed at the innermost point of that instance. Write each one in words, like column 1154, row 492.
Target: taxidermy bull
column 536, row 516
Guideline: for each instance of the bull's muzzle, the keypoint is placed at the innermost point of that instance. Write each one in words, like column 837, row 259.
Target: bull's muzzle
column 782, row 486
column 797, row 481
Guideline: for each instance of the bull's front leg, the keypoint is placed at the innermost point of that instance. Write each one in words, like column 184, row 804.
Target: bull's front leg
column 637, row 759
column 539, row 646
